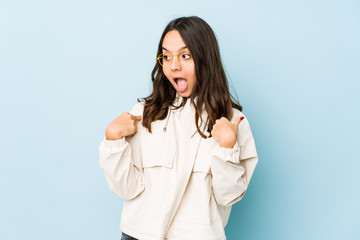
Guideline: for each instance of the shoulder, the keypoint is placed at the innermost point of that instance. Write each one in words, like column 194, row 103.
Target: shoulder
column 137, row 109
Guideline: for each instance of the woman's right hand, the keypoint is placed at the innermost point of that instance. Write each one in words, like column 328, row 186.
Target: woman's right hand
column 123, row 126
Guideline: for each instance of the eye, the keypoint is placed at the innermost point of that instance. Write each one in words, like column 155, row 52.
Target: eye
column 166, row 57
column 186, row 56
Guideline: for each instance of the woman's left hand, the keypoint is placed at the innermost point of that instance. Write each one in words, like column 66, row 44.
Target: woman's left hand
column 225, row 132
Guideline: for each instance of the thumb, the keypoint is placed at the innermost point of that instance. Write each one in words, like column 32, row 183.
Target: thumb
column 237, row 121
column 136, row 118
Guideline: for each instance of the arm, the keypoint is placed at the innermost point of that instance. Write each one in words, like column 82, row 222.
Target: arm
column 232, row 168
column 121, row 162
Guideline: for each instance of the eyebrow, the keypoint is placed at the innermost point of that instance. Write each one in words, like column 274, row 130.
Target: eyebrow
column 179, row 48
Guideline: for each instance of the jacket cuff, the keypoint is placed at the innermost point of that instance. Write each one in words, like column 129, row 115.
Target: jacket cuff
column 114, row 144
column 227, row 154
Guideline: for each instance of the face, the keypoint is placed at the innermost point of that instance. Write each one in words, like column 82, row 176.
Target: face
column 181, row 74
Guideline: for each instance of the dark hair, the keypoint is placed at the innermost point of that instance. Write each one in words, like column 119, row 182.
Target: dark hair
column 211, row 87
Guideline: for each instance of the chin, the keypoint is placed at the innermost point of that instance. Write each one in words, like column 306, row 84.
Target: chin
column 185, row 94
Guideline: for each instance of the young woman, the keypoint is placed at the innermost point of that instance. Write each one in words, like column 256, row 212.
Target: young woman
column 185, row 154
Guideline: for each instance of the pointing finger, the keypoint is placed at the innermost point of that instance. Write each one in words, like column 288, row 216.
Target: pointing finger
column 136, row 118
column 237, row 121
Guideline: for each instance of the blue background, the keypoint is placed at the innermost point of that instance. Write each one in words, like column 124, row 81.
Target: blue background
column 68, row 68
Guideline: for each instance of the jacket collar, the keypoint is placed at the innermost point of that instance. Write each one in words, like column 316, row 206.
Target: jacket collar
column 178, row 100
column 189, row 108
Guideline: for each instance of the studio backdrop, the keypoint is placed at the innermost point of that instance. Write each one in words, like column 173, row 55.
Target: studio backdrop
column 68, row 68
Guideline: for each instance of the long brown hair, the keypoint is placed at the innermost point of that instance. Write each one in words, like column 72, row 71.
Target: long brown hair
column 211, row 87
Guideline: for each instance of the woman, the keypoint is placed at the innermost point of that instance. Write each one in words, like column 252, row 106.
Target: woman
column 185, row 154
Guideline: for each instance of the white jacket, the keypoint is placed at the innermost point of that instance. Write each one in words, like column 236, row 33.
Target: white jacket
column 175, row 184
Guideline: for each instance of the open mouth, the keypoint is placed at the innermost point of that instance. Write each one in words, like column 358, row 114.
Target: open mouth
column 181, row 84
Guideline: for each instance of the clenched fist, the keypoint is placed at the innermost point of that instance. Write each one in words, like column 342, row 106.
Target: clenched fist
column 225, row 132
column 123, row 126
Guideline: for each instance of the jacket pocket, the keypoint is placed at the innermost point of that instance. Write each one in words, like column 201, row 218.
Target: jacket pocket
column 157, row 164
column 156, row 157
column 156, row 150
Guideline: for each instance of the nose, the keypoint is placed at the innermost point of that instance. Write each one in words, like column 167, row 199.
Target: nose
column 175, row 64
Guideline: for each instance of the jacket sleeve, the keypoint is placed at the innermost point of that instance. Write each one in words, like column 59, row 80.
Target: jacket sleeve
column 121, row 162
column 232, row 168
